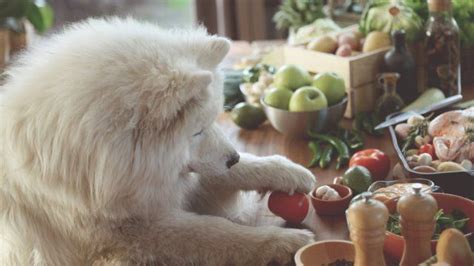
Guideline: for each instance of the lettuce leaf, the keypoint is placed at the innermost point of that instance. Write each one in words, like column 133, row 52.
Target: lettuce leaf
column 388, row 16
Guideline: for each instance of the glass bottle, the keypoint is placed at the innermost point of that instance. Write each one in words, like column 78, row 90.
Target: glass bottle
column 400, row 60
column 390, row 102
column 442, row 48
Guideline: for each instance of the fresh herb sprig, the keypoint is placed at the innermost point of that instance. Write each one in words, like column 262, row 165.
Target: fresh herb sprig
column 421, row 129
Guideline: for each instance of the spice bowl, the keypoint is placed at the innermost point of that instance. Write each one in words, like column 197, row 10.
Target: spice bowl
column 394, row 244
column 428, row 186
column 332, row 207
column 297, row 124
column 325, row 253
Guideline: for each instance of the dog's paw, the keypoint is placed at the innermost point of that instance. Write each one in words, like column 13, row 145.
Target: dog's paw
column 288, row 176
column 285, row 243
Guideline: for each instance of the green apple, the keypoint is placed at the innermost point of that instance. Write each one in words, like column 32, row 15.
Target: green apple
column 307, row 99
column 278, row 98
column 332, row 85
column 291, row 77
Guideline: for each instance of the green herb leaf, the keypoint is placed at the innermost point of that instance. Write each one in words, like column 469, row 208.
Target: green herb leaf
column 456, row 219
column 40, row 15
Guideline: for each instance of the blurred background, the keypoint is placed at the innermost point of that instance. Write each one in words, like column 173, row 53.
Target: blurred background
column 258, row 22
column 168, row 13
column 237, row 19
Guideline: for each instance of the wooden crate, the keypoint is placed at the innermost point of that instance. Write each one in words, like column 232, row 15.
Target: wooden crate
column 362, row 98
column 12, row 42
column 359, row 73
column 4, row 47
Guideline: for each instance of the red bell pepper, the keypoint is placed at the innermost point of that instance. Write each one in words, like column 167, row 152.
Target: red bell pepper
column 374, row 160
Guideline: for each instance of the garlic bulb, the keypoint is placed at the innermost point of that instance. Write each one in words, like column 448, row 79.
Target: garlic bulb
column 327, row 193
column 415, row 120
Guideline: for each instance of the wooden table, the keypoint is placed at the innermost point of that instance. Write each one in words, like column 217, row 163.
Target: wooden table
column 267, row 141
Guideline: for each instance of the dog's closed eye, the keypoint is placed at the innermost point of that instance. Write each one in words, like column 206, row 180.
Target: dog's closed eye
column 198, row 133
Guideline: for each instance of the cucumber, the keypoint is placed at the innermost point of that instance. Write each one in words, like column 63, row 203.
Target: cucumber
column 427, row 98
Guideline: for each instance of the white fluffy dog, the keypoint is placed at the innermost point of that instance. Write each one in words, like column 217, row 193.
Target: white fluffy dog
column 110, row 155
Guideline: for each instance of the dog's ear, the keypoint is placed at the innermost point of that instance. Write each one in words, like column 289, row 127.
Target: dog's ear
column 165, row 105
column 195, row 84
column 199, row 80
column 214, row 51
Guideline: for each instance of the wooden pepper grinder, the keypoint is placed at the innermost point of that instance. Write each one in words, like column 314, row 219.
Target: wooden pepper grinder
column 417, row 211
column 367, row 220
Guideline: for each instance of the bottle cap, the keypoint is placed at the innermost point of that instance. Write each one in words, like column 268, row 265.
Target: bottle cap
column 418, row 205
column 366, row 213
column 389, row 79
column 439, row 5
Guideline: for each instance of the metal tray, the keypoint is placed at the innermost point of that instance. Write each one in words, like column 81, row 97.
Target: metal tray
column 458, row 183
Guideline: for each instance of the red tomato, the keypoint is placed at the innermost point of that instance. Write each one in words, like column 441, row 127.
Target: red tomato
column 427, row 148
column 374, row 160
column 292, row 208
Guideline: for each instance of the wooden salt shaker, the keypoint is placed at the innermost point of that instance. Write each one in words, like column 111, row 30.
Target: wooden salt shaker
column 417, row 211
column 367, row 220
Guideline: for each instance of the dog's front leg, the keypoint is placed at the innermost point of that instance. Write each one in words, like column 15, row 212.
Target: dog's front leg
column 222, row 195
column 182, row 238
column 265, row 173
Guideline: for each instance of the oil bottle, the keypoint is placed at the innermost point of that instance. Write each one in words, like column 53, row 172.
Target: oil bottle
column 390, row 101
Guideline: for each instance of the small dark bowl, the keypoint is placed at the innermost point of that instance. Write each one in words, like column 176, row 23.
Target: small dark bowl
column 332, row 207
column 460, row 183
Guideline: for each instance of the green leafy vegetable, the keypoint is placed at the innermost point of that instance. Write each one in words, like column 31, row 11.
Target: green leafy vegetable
column 39, row 13
column 41, row 16
column 463, row 13
column 420, row 7
column 232, row 93
column 251, row 74
column 456, row 219
column 297, row 13
column 388, row 16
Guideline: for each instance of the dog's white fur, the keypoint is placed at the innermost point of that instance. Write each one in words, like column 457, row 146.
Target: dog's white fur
column 102, row 159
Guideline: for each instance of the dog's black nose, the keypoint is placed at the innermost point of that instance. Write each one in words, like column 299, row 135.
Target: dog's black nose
column 234, row 158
